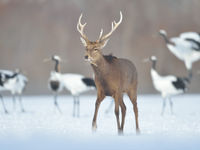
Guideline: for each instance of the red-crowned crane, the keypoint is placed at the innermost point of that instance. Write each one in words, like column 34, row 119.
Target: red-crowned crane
column 76, row 84
column 14, row 82
column 168, row 86
column 186, row 47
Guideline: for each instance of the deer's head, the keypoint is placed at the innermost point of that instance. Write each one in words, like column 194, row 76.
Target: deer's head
column 93, row 48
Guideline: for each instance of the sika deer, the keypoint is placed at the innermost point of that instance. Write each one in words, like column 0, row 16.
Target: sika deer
column 113, row 76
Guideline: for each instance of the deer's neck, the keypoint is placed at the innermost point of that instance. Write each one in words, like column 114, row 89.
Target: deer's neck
column 101, row 68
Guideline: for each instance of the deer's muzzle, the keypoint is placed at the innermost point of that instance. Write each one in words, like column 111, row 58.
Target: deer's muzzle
column 86, row 57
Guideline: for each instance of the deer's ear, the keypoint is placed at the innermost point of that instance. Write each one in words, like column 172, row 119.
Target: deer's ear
column 103, row 43
column 83, row 41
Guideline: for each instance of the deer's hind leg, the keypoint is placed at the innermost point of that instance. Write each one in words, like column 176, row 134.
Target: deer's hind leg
column 133, row 97
column 119, row 102
column 123, row 111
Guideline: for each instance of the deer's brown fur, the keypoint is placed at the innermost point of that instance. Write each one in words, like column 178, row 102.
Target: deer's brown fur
column 113, row 77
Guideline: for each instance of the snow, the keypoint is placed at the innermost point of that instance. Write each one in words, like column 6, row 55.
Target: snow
column 43, row 127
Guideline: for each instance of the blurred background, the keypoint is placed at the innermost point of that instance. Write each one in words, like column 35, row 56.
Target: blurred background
column 32, row 30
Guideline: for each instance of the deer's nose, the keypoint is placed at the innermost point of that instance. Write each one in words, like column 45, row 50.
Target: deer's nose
column 86, row 56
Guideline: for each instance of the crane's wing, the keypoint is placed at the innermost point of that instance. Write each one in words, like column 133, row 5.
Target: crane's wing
column 190, row 35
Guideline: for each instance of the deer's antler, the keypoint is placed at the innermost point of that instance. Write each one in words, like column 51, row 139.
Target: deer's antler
column 80, row 28
column 114, row 26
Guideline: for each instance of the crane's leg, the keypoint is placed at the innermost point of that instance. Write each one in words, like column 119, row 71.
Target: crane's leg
column 56, row 103
column 4, row 107
column 190, row 74
column 14, row 102
column 74, row 106
column 100, row 98
column 109, row 107
column 20, row 103
column 171, row 106
column 163, row 106
column 78, row 107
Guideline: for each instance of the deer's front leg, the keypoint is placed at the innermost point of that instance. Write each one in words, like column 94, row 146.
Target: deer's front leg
column 97, row 104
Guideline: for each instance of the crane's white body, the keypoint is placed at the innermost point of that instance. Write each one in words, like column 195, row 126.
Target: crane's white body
column 75, row 84
column 56, row 76
column 71, row 82
column 163, row 84
column 15, row 85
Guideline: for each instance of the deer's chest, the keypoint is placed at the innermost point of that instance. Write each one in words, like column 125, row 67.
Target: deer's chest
column 108, row 85
column 107, row 80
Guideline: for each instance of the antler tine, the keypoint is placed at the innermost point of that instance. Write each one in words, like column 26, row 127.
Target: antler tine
column 80, row 28
column 114, row 26
column 101, row 33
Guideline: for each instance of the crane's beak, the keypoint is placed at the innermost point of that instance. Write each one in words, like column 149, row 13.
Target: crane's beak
column 46, row 59
column 24, row 72
column 17, row 70
column 63, row 61
column 145, row 60
column 50, row 58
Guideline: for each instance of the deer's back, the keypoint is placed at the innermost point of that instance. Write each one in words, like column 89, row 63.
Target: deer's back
column 128, row 73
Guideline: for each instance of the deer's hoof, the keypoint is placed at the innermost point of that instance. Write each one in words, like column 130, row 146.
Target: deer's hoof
column 138, row 131
column 120, row 132
column 94, row 127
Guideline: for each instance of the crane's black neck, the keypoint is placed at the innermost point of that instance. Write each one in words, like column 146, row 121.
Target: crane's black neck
column 1, row 81
column 153, row 64
column 165, row 38
column 190, row 74
column 57, row 66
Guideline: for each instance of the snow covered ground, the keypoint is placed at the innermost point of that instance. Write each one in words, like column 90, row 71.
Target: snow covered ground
column 43, row 127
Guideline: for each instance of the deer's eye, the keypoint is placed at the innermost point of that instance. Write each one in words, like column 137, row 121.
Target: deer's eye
column 96, row 49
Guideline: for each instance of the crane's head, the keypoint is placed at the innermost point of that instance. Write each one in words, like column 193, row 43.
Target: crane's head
column 162, row 32
column 152, row 59
column 17, row 71
column 56, row 58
